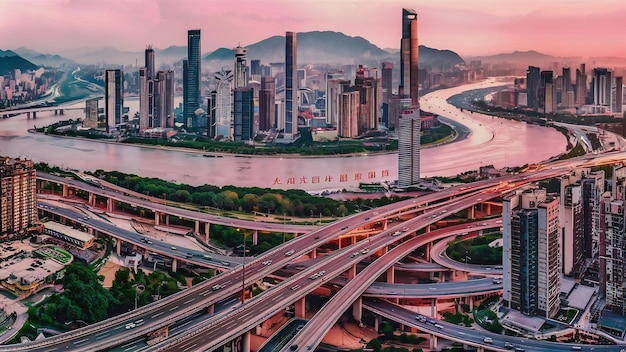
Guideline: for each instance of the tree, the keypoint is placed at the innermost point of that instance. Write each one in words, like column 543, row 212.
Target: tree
column 85, row 298
column 375, row 345
column 387, row 330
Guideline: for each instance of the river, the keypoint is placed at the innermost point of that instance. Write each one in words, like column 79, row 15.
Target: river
column 491, row 141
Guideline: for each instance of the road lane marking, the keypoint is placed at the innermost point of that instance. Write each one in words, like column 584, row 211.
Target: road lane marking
column 190, row 347
column 156, row 315
column 189, row 300
column 81, row 341
column 173, row 308
column 131, row 347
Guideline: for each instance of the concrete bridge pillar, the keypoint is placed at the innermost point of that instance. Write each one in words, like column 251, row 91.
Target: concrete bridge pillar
column 391, row 275
column 211, row 309
column 118, row 246
column 429, row 247
column 314, row 253
column 384, row 224
column 376, row 323
column 300, row 308
column 433, row 308
column 255, row 237
column 357, row 309
column 353, row 239
column 66, row 191
column 352, row 272
column 471, row 303
column 167, row 219
column 92, row 199
column 339, row 243
column 28, row 115
column 488, row 209
column 110, row 205
column 61, row 112
column 471, row 213
column 245, row 342
column 174, row 265
column 433, row 342
column 196, row 228
column 34, row 114
column 206, row 232
column 157, row 218
column 56, row 112
column 428, row 228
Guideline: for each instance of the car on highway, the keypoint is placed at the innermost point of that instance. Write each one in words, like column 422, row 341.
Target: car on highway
column 217, row 287
column 364, row 250
column 267, row 262
column 395, row 233
column 295, row 287
column 488, row 340
column 508, row 345
column 173, row 248
column 225, row 263
column 290, row 252
column 438, row 326
column 206, row 256
column 496, row 281
column 354, row 254
column 130, row 325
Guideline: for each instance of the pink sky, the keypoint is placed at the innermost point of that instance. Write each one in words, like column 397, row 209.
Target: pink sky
column 469, row 27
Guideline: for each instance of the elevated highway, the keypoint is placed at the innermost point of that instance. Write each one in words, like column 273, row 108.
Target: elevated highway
column 174, row 308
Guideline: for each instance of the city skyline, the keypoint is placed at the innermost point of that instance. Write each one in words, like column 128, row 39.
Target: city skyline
column 561, row 27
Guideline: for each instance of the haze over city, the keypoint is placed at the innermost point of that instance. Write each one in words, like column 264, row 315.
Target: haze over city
column 483, row 27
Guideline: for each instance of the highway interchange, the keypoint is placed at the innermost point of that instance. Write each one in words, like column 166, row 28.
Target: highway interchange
column 210, row 332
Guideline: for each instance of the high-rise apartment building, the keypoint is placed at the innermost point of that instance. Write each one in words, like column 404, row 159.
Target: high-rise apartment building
column 334, row 86
column 409, row 120
column 146, row 100
column 533, row 79
column 291, row 86
column 91, row 113
column 593, row 188
column 192, row 72
column 348, row 113
column 243, row 114
column 601, row 86
column 113, row 99
column 531, row 253
column 572, row 222
column 241, row 62
column 18, row 191
column 267, row 103
column 255, row 67
column 149, row 61
column 164, row 99
column 387, row 81
column 409, row 147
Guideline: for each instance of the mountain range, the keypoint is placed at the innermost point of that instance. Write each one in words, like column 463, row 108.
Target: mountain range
column 313, row 47
column 10, row 61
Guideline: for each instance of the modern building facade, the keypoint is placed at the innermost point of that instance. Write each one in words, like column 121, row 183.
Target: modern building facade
column 409, row 147
column 192, row 71
column 348, row 108
column 531, row 253
column 91, row 113
column 409, row 120
column 409, row 56
column 291, row 87
column 581, row 85
column 243, row 114
column 533, row 79
column 164, row 99
column 601, row 86
column 113, row 99
column 211, row 128
column 223, row 104
column 267, row 103
column 571, row 222
column 18, row 210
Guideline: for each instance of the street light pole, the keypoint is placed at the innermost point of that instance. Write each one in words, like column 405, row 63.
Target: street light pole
column 284, row 229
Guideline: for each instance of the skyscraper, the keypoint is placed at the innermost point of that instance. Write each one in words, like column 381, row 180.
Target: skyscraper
column 601, row 86
column 334, row 87
column 533, row 80
column 409, row 147
column 239, row 75
column 113, row 99
column 18, row 191
column 149, row 56
column 145, row 85
column 348, row 113
column 291, row 86
column 192, row 77
column 164, row 99
column 409, row 56
column 619, row 94
column 387, row 80
column 267, row 103
column 581, row 85
column 547, row 96
column 530, row 221
column 409, row 120
column 223, row 105
column 571, row 222
column 243, row 114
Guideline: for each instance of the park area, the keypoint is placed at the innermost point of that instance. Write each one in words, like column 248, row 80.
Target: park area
column 57, row 254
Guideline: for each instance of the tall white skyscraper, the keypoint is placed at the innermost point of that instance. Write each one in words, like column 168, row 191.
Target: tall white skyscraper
column 239, row 76
column 113, row 99
column 409, row 147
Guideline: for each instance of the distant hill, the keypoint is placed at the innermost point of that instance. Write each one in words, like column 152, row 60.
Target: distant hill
column 171, row 53
column 46, row 60
column 10, row 61
column 523, row 58
column 331, row 47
